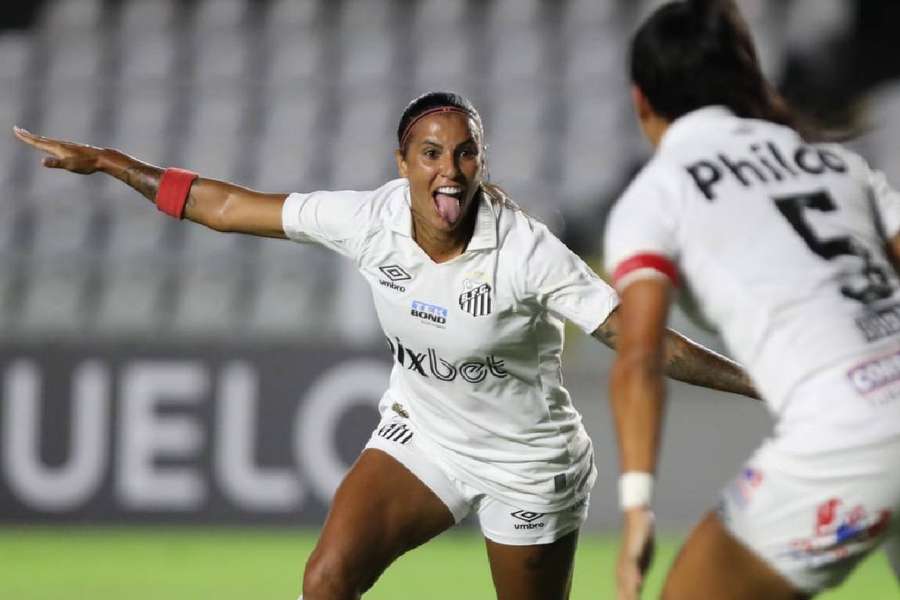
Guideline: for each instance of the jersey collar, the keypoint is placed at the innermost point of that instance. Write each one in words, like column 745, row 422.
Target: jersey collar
column 686, row 126
column 483, row 238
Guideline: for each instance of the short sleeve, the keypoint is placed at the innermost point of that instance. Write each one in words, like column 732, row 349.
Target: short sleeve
column 335, row 220
column 565, row 286
column 641, row 232
column 887, row 203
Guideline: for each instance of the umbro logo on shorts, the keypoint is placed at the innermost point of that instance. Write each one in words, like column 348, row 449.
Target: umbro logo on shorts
column 396, row 432
column 529, row 519
column 526, row 515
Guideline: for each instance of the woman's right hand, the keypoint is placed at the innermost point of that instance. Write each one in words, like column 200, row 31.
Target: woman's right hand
column 77, row 158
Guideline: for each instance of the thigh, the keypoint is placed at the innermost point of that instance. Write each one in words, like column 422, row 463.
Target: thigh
column 538, row 572
column 713, row 564
column 379, row 511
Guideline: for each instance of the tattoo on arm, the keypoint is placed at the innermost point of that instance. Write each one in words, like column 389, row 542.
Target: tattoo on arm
column 142, row 177
column 692, row 363
column 606, row 334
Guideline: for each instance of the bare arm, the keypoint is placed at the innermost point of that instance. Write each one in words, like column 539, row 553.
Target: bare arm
column 637, row 401
column 688, row 361
column 637, row 385
column 216, row 204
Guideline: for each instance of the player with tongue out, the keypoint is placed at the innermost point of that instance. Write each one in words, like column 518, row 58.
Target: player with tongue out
column 472, row 295
column 440, row 155
column 447, row 199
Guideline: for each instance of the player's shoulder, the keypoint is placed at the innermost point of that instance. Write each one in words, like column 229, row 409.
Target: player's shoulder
column 392, row 197
column 531, row 241
column 516, row 227
column 392, row 192
column 662, row 182
column 383, row 204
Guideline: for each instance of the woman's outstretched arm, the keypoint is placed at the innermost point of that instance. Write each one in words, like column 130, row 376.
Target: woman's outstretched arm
column 688, row 361
column 216, row 204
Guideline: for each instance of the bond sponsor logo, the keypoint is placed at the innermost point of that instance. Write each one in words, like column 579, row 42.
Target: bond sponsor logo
column 762, row 164
column 880, row 323
column 476, row 299
column 394, row 273
column 428, row 364
column 430, row 314
column 529, row 519
column 875, row 374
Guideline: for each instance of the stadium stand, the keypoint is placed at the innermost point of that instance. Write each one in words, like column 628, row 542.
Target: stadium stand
column 303, row 95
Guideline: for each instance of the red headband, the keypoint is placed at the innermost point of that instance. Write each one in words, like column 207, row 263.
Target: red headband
column 439, row 109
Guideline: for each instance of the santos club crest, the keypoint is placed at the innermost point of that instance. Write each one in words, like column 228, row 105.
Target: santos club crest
column 476, row 300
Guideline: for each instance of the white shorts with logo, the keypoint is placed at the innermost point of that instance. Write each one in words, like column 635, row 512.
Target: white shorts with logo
column 815, row 499
column 499, row 522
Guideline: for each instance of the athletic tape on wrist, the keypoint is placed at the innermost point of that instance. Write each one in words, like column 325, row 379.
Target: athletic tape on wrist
column 174, row 187
column 635, row 489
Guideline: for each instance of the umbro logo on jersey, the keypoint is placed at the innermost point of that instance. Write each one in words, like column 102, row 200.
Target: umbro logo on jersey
column 476, row 301
column 396, row 432
column 529, row 519
column 394, row 273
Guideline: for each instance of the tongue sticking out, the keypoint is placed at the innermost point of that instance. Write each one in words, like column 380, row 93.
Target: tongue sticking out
column 447, row 207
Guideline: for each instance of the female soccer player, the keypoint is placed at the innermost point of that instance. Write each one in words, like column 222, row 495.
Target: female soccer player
column 790, row 248
column 471, row 293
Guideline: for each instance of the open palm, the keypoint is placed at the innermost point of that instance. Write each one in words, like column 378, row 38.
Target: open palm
column 77, row 158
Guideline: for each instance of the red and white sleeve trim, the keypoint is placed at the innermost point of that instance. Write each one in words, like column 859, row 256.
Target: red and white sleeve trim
column 644, row 266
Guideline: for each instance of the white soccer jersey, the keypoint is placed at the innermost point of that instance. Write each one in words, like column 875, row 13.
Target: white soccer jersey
column 477, row 340
column 780, row 242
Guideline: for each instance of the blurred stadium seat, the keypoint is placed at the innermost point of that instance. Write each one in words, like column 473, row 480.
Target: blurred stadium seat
column 289, row 95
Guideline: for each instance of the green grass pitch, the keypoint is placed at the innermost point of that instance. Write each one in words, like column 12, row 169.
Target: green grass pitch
column 43, row 563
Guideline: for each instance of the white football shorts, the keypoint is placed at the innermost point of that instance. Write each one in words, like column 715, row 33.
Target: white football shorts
column 813, row 516
column 499, row 522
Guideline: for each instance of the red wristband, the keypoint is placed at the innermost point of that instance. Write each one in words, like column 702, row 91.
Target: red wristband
column 174, row 187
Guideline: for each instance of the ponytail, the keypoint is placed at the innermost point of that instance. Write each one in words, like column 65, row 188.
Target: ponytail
column 498, row 196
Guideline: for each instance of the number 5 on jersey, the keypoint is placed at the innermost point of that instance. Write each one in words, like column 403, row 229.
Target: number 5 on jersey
column 877, row 284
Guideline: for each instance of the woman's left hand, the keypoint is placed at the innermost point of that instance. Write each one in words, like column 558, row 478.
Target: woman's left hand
column 635, row 552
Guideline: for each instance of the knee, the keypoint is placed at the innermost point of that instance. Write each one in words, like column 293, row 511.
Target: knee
column 326, row 577
column 329, row 576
